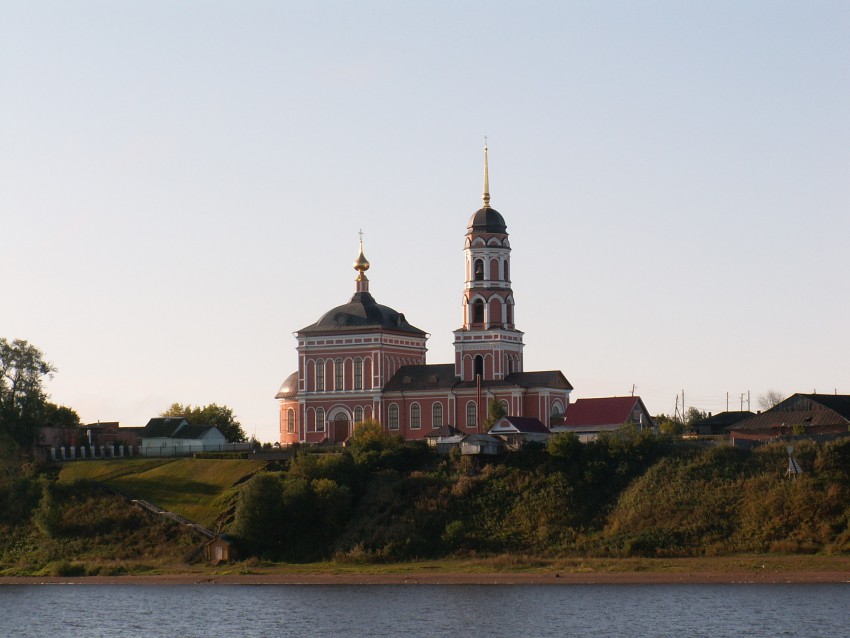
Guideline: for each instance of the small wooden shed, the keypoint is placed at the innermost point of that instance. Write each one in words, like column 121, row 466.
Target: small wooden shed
column 220, row 550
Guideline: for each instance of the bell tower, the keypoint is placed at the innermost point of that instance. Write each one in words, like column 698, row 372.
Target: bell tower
column 488, row 345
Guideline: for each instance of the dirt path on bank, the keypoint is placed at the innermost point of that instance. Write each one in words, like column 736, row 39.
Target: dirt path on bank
column 413, row 578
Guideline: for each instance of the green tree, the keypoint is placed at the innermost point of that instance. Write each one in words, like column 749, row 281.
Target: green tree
column 495, row 411
column 47, row 516
column 694, row 416
column 370, row 436
column 22, row 395
column 333, row 505
column 220, row 416
column 668, row 425
column 60, row 416
column 260, row 515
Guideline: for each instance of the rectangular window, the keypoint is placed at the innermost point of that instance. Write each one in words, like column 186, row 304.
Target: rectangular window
column 320, row 420
column 415, row 423
column 320, row 376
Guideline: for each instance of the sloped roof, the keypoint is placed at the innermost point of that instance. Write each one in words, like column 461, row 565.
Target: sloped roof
column 524, row 424
column 602, row 411
column 174, row 427
column 810, row 410
column 362, row 311
column 725, row 419
column 163, row 426
column 422, row 377
column 193, row 431
column 443, row 432
column 838, row 403
column 482, row 438
column 536, row 379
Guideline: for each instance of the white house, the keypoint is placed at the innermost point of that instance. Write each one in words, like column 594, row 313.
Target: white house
column 175, row 436
column 481, row 445
column 516, row 431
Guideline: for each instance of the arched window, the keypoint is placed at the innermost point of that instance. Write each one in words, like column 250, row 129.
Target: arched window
column 290, row 420
column 510, row 312
column 556, row 415
column 510, row 364
column 320, row 375
column 358, row 414
column 479, row 270
column 479, row 366
column 320, row 420
column 339, row 375
column 495, row 313
column 471, row 414
column 358, row 373
column 437, row 415
column 415, row 422
column 392, row 417
column 478, row 311
column 505, row 408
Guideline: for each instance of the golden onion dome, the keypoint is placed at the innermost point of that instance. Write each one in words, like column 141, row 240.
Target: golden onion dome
column 361, row 264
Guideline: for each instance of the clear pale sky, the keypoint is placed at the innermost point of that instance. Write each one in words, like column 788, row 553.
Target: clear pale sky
column 181, row 186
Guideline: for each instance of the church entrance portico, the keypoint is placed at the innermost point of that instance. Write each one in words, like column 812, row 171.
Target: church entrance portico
column 340, row 425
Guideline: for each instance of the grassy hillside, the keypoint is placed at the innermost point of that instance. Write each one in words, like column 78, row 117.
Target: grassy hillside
column 726, row 501
column 75, row 529
column 197, row 489
column 625, row 497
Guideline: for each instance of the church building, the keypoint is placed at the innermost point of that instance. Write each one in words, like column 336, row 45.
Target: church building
column 363, row 360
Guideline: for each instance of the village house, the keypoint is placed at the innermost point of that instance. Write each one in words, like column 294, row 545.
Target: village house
column 816, row 416
column 481, row 445
column 587, row 418
column 720, row 422
column 175, row 436
column 516, row 431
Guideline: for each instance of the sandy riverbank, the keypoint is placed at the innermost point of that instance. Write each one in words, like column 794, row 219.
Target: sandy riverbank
column 413, row 578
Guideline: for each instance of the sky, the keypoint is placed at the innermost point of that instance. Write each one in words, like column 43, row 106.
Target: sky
column 182, row 184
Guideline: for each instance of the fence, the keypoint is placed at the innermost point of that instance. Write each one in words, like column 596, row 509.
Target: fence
column 86, row 452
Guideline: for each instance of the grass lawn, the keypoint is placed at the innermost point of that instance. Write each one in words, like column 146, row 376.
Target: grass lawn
column 197, row 489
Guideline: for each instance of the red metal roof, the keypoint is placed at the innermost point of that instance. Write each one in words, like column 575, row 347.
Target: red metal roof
column 604, row 411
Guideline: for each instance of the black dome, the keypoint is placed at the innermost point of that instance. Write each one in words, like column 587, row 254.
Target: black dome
column 361, row 312
column 487, row 220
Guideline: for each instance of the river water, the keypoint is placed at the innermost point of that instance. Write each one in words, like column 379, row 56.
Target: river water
column 178, row 611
